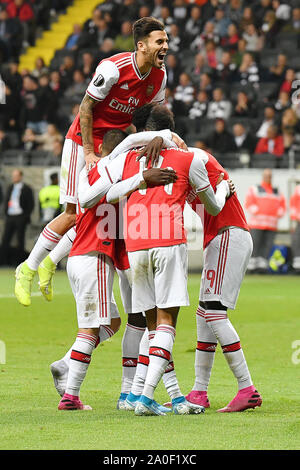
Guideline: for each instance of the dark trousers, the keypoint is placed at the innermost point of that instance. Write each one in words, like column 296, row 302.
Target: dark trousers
column 263, row 241
column 13, row 224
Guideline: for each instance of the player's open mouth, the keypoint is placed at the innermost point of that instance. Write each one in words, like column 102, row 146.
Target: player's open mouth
column 161, row 56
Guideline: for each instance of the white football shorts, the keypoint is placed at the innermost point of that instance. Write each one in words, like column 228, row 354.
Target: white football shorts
column 159, row 277
column 225, row 261
column 91, row 277
column 72, row 162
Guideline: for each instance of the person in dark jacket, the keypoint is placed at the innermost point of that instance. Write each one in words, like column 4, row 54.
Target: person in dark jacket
column 18, row 206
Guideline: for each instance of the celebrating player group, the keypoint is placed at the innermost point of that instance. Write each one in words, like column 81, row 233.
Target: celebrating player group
column 124, row 197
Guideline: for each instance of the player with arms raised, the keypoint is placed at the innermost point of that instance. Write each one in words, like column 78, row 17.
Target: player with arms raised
column 121, row 84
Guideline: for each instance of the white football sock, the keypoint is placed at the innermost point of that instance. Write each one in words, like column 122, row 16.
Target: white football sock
column 142, row 363
column 159, row 357
column 205, row 352
column 130, row 352
column 64, row 246
column 105, row 333
column 45, row 243
column 80, row 359
column 230, row 342
column 171, row 382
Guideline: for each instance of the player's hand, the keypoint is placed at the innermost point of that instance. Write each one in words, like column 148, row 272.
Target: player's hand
column 90, row 160
column 178, row 141
column 221, row 177
column 152, row 151
column 231, row 188
column 159, row 176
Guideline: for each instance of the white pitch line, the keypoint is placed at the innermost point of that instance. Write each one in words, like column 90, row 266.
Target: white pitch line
column 33, row 294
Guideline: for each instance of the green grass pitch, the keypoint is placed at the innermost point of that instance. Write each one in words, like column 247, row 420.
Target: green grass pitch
column 267, row 320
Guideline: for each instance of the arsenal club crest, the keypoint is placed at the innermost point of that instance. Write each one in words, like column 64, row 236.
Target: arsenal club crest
column 149, row 90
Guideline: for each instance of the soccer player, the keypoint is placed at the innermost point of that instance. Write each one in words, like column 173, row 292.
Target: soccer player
column 90, row 268
column 227, row 250
column 121, row 83
column 158, row 260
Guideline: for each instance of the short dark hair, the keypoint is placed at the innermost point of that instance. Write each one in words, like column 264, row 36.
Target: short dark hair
column 112, row 138
column 153, row 117
column 144, row 26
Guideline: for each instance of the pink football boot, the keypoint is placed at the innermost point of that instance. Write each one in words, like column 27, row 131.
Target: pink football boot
column 246, row 398
column 70, row 402
column 198, row 398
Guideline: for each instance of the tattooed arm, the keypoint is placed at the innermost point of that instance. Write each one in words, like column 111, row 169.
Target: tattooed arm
column 86, row 128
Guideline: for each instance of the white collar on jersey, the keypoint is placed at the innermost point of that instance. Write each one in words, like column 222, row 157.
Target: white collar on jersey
column 136, row 69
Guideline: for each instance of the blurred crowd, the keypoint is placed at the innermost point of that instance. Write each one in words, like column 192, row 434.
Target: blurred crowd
column 232, row 70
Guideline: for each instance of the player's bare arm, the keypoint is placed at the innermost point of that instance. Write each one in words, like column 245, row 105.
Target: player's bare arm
column 86, row 126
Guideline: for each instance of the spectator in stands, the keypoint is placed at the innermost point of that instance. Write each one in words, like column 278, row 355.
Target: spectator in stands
column 169, row 99
column 247, row 18
column 194, row 24
column 272, row 143
column 157, row 7
column 226, row 70
column 49, row 200
column 47, row 98
column 55, row 83
column 219, row 107
column 266, row 205
column 221, row 22
column 46, row 140
column 241, row 51
column 199, row 107
column 29, row 140
column 235, row 11
column 205, row 83
column 124, row 40
column 230, row 41
column 128, row 10
column 56, row 152
column 180, row 11
column 260, row 8
column 293, row 26
column 283, row 102
column 11, row 35
column 88, row 65
column 24, row 12
column 33, row 113
column 249, row 71
column 19, row 204
column 72, row 39
column 287, row 83
column 77, row 90
column 12, row 77
column 176, row 42
column 173, row 70
column 39, row 68
column 244, row 106
column 295, row 229
column 243, row 141
column 198, row 67
column 166, row 18
column 184, row 94
column 220, row 140
column 269, row 28
column 10, row 111
column 267, row 121
column 144, row 11
column 208, row 34
column 66, row 70
column 212, row 54
column 254, row 42
column 278, row 71
column 290, row 121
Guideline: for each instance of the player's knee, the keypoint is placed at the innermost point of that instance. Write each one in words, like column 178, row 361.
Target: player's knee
column 70, row 214
column 115, row 324
column 214, row 306
column 137, row 319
